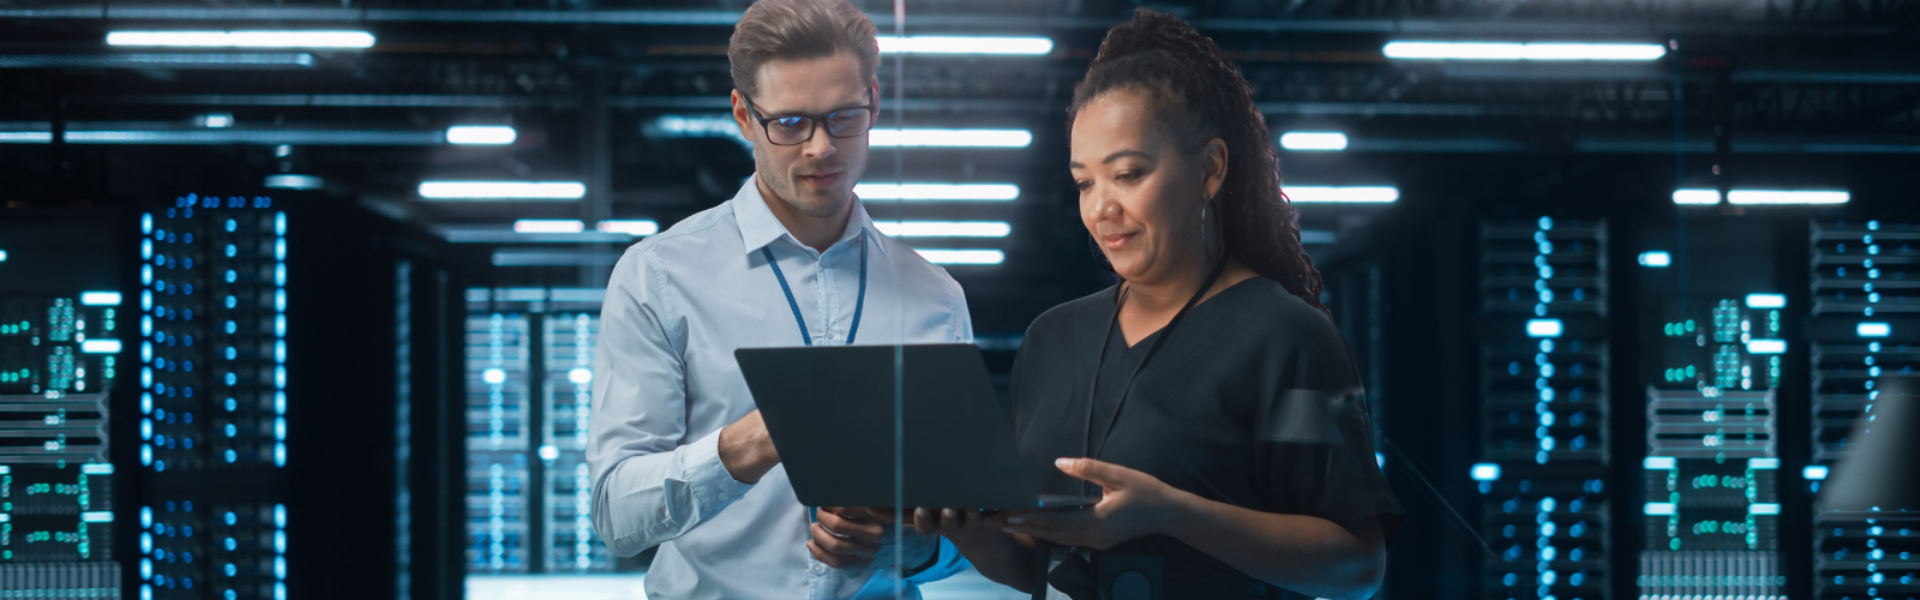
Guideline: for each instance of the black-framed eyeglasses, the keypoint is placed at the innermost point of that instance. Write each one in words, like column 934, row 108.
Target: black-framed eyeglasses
column 798, row 129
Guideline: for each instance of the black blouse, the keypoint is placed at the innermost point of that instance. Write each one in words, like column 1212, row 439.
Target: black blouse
column 1253, row 401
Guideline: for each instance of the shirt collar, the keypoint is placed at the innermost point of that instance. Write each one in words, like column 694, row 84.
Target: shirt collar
column 759, row 227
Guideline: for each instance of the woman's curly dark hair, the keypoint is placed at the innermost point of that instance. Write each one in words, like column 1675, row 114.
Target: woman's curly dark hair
column 1178, row 69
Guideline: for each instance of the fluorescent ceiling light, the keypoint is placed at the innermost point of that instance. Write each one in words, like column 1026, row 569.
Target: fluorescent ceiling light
column 97, row 346
column 264, row 137
column 1313, row 140
column 1787, row 197
column 1766, row 300
column 950, row 138
column 944, row 228
column 26, row 137
column 697, row 125
column 549, row 226
column 1656, row 463
column 950, row 44
column 1658, row 259
column 504, row 234
column 242, row 39
column 173, row 60
column 1521, row 51
column 1751, row 197
column 1544, row 328
column 100, row 298
column 1659, row 509
column 1696, row 196
column 962, row 257
column 719, row 125
column 502, row 190
column 3, row 256
column 723, row 126
column 1763, row 508
column 1768, row 346
column 488, row 135
column 214, row 120
column 523, row 258
column 1486, row 472
column 989, row 192
column 1814, row 472
column 640, row 227
column 1763, row 463
column 1342, row 194
column 293, row 182
column 1876, row 330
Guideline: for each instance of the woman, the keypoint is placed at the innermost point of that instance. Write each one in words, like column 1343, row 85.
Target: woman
column 1207, row 397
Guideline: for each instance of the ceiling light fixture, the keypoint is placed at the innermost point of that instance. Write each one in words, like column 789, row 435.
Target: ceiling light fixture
column 954, row 44
column 963, row 192
column 242, row 39
column 1547, row 51
column 1314, row 140
column 992, row 229
column 1315, row 194
column 502, row 190
column 481, row 135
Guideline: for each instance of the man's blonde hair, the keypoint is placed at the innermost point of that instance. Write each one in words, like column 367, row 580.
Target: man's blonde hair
column 799, row 29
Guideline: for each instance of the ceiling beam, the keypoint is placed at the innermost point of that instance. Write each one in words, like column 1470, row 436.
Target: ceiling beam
column 996, row 23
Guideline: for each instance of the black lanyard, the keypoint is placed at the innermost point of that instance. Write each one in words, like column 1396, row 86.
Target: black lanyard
column 859, row 305
column 1093, row 396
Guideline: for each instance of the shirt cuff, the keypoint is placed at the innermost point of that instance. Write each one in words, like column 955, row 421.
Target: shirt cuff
column 707, row 474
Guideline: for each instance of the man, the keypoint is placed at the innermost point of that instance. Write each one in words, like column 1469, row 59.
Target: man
column 681, row 459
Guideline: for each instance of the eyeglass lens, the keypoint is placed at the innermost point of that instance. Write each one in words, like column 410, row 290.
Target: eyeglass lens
column 796, row 129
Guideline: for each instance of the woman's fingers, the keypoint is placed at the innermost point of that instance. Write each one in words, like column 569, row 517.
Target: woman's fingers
column 960, row 520
column 926, row 521
column 1108, row 476
column 945, row 521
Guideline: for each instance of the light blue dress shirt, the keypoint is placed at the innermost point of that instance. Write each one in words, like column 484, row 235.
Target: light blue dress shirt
column 677, row 306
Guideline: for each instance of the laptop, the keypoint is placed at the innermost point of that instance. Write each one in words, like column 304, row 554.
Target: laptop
column 830, row 411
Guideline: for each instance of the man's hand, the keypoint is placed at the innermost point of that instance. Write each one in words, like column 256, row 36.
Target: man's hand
column 746, row 449
column 845, row 538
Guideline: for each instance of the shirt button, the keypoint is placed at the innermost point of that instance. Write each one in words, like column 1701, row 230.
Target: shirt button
column 819, row 568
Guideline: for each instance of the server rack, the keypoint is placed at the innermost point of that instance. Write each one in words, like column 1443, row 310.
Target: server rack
column 64, row 327
column 529, row 487
column 292, row 408
column 1865, row 323
column 1544, row 492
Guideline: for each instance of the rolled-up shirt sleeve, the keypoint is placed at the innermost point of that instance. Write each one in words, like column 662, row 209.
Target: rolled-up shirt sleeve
column 651, row 484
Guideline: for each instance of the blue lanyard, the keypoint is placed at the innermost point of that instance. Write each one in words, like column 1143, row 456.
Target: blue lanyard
column 859, row 305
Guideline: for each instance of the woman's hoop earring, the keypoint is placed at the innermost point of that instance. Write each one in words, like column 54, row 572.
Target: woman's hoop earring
column 1212, row 257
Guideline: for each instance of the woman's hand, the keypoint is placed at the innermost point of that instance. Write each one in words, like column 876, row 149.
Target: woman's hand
column 966, row 528
column 1132, row 505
